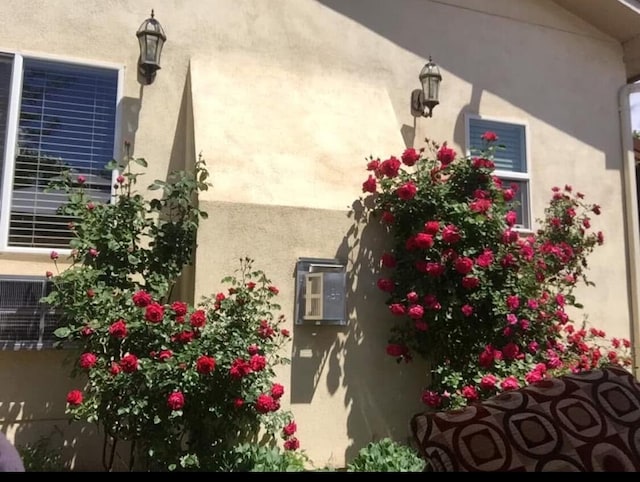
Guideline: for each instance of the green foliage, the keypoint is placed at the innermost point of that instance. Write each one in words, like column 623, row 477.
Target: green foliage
column 386, row 455
column 264, row 458
column 184, row 384
column 44, row 454
column 488, row 304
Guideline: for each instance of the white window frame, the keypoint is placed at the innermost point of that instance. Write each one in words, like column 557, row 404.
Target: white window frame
column 13, row 113
column 509, row 175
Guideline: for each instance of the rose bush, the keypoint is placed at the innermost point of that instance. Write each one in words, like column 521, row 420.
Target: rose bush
column 188, row 386
column 489, row 305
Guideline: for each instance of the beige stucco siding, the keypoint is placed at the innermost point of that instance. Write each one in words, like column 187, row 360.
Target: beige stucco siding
column 284, row 99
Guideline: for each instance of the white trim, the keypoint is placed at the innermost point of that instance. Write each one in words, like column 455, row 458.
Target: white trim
column 13, row 114
column 101, row 64
column 516, row 176
column 117, row 137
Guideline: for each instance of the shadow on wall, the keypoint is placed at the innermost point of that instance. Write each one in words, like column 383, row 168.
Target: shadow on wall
column 516, row 50
column 32, row 412
column 379, row 395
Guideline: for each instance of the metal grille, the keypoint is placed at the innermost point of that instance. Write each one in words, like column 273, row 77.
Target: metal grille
column 25, row 322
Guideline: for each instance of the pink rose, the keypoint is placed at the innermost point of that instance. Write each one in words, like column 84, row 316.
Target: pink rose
column 470, row 393
column 510, row 383
column 488, row 382
column 416, row 312
column 175, row 400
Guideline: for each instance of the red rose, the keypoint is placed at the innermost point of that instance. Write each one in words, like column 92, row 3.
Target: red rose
column 510, row 383
column 291, row 444
column 48, row 274
column 390, row 167
column 265, row 330
column 74, row 397
column 118, row 329
column 239, row 368
column 387, row 217
column 175, row 400
column 88, row 360
column 397, row 309
column 251, row 285
column 416, row 312
column 54, row 255
column 510, row 351
column 198, row 319
column 469, row 392
column 165, row 355
column 407, row 191
column 205, row 364
column 410, row 156
column 114, row 369
column 238, row 402
column 396, row 350
column 446, row 155
column 488, row 382
column 129, row 363
column 464, row 265
column 467, row 310
column 490, row 136
column 431, row 399
column 90, row 293
column 386, row 285
column 266, row 403
column 284, row 332
column 141, row 298
column 179, row 308
column 432, row 227
column 423, row 241
column 154, row 313
column 87, row 331
column 289, row 429
column 258, row 363
column 277, row 391
column 273, row 289
column 373, row 165
column 450, row 234
column 388, row 260
column 369, row 185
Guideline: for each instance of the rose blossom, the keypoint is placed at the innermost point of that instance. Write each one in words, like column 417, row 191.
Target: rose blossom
column 446, row 155
column 432, row 227
column 510, row 383
column 488, row 382
column 273, row 289
column 386, row 284
column 179, row 308
column 369, row 185
column 165, row 355
column 198, row 319
column 118, row 329
column 238, row 402
column 407, row 191
column 239, row 368
column 410, row 156
column 450, row 234
column 154, row 313
column 490, row 136
column 141, row 298
column 464, row 265
column 258, row 363
column 291, row 444
column 388, row 260
column 129, row 363
column 114, row 369
column 467, row 310
column 390, row 167
column 88, row 360
column 396, row 350
column 289, row 429
column 388, row 217
column 266, row 403
column 397, row 309
column 469, row 392
column 74, row 397
column 416, row 312
column 431, row 399
column 205, row 364
column 277, row 391
column 175, row 400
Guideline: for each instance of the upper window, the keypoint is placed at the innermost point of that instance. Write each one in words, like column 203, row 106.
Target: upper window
column 510, row 159
column 54, row 116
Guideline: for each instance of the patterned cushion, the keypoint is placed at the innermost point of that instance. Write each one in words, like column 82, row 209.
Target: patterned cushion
column 587, row 422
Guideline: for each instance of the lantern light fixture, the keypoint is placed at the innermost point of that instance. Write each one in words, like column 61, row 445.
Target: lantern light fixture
column 424, row 100
column 151, row 37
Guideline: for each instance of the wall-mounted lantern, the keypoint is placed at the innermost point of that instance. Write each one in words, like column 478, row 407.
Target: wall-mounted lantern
column 151, row 38
column 424, row 100
column 321, row 292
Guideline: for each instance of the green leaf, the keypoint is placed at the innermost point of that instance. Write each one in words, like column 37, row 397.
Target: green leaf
column 141, row 162
column 62, row 332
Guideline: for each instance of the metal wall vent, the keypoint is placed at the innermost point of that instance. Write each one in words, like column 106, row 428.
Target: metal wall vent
column 321, row 292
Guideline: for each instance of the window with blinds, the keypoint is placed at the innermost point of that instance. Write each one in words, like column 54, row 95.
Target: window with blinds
column 65, row 121
column 510, row 159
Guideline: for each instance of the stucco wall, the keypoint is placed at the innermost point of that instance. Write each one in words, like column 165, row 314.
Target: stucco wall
column 285, row 99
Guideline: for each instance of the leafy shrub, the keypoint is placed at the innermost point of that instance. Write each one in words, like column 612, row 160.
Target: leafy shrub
column 44, row 454
column 386, row 455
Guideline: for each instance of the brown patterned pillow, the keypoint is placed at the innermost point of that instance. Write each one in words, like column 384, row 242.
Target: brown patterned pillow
column 586, row 422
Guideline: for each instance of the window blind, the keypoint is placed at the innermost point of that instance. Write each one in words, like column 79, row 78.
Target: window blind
column 67, row 121
column 6, row 64
column 512, row 136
